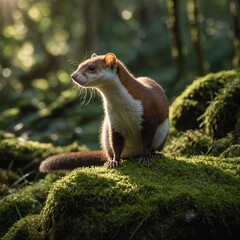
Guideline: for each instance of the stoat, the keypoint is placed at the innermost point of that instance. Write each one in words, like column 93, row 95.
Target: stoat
column 135, row 122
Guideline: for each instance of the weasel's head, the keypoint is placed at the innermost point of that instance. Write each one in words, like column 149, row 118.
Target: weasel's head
column 96, row 71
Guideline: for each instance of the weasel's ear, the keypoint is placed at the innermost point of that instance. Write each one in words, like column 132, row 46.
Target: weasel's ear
column 94, row 55
column 110, row 58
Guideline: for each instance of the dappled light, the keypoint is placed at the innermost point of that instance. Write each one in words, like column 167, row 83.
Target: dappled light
column 127, row 14
column 56, row 43
column 6, row 72
column 34, row 32
column 25, row 57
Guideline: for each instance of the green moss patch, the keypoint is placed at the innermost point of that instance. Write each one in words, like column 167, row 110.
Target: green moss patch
column 14, row 207
column 19, row 153
column 26, row 228
column 172, row 198
column 205, row 117
column 232, row 151
column 221, row 116
column 211, row 101
column 196, row 142
column 19, row 202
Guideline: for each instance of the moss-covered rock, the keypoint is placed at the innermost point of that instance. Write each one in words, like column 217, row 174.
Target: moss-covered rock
column 196, row 142
column 218, row 94
column 15, row 206
column 190, row 142
column 221, row 116
column 173, row 198
column 26, row 228
column 21, row 201
column 26, row 155
column 205, row 118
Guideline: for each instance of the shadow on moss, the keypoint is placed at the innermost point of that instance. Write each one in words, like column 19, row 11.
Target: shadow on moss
column 26, row 228
column 16, row 206
column 16, row 203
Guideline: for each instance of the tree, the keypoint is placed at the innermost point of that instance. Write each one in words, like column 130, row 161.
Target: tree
column 175, row 37
column 193, row 16
column 234, row 8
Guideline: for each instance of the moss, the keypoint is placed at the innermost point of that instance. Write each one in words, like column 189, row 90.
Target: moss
column 21, row 201
column 222, row 114
column 191, row 142
column 193, row 198
column 232, row 151
column 19, row 153
column 192, row 103
column 6, row 135
column 25, row 228
column 14, row 207
column 8, row 176
column 196, row 142
column 237, row 126
column 4, row 190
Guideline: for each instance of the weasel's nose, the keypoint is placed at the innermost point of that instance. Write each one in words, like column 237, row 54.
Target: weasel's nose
column 74, row 76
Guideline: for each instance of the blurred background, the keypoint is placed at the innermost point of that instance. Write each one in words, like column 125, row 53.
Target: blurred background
column 42, row 42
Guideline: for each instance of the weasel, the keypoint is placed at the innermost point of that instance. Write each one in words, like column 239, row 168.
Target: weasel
column 136, row 121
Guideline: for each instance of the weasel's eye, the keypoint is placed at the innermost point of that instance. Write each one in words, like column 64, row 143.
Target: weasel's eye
column 91, row 68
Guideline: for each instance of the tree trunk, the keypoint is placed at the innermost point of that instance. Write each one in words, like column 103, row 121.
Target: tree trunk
column 234, row 8
column 193, row 16
column 90, row 36
column 175, row 37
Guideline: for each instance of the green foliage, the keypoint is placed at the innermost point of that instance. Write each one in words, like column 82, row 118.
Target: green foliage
column 41, row 119
column 232, row 151
column 41, row 42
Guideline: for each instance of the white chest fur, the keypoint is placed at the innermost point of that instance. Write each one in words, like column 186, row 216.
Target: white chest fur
column 124, row 114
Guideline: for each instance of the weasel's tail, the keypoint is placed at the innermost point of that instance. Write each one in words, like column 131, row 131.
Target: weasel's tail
column 69, row 161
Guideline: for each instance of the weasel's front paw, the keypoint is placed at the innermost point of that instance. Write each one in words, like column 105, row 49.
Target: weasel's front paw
column 145, row 159
column 111, row 164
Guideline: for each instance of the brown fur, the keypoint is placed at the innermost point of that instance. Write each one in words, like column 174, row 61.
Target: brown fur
column 141, row 89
